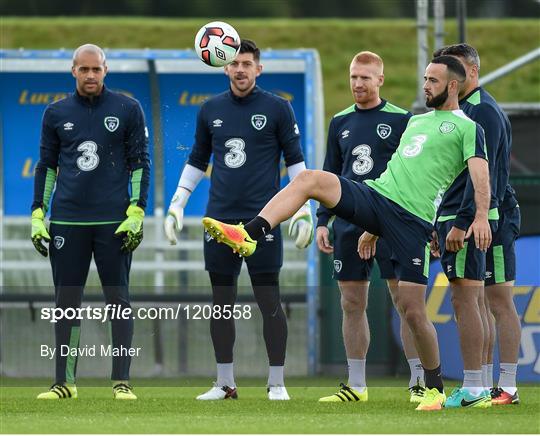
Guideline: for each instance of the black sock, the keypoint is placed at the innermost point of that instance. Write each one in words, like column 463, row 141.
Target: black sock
column 257, row 227
column 433, row 378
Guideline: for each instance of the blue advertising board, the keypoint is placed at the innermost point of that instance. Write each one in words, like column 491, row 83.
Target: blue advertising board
column 527, row 301
column 23, row 99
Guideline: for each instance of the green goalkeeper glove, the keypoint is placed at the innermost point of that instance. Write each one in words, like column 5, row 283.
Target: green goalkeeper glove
column 39, row 231
column 131, row 229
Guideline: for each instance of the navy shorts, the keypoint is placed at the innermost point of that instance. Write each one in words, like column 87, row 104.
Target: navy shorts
column 268, row 258
column 501, row 256
column 407, row 235
column 467, row 263
column 347, row 262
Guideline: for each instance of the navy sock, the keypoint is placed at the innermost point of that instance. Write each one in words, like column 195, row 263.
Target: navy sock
column 433, row 378
column 257, row 227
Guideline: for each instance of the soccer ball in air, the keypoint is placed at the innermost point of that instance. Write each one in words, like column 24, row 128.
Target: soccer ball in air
column 217, row 43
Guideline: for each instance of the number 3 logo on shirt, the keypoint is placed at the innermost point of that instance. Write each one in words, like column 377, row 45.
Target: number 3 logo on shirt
column 363, row 163
column 236, row 157
column 415, row 148
column 89, row 159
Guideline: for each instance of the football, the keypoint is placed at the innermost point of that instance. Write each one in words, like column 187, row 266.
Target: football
column 217, row 43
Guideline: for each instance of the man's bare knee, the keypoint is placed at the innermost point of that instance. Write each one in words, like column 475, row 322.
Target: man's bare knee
column 500, row 304
column 415, row 318
column 353, row 296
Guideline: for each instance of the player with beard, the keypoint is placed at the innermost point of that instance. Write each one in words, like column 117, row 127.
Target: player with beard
column 399, row 206
column 499, row 262
column 247, row 130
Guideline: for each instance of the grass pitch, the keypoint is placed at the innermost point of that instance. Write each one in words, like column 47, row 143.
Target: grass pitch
column 164, row 408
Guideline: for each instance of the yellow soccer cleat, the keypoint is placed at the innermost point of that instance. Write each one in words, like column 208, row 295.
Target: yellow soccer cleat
column 59, row 392
column 345, row 394
column 417, row 393
column 232, row 235
column 123, row 391
column 433, row 400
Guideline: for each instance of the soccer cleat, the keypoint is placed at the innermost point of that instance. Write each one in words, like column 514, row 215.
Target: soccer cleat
column 59, row 392
column 433, row 400
column 461, row 397
column 417, row 393
column 219, row 393
column 277, row 393
column 232, row 235
column 499, row 397
column 123, row 391
column 345, row 393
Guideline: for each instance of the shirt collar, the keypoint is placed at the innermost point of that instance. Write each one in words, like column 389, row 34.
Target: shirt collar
column 374, row 109
column 464, row 99
column 250, row 97
column 94, row 101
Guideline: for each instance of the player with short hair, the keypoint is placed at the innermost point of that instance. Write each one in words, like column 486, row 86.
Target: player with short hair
column 399, row 205
column 94, row 154
column 247, row 130
column 361, row 141
column 500, row 262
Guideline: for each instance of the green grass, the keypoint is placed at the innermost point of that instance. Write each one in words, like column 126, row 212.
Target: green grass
column 174, row 410
column 337, row 40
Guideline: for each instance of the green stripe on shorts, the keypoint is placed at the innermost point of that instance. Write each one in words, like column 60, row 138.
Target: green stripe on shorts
column 498, row 264
column 71, row 362
column 461, row 258
column 426, row 260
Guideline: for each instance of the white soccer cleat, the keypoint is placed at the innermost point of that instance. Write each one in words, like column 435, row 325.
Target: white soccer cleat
column 278, row 393
column 219, row 393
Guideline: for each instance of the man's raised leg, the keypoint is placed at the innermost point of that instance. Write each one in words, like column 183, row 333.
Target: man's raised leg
column 318, row 185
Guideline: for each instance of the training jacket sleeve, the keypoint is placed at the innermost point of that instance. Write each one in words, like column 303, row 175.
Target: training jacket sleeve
column 46, row 168
column 333, row 163
column 138, row 159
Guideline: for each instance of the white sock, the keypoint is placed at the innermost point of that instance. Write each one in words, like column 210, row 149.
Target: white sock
column 275, row 376
column 507, row 377
column 225, row 375
column 490, row 375
column 357, row 374
column 417, row 372
column 472, row 381
column 485, row 377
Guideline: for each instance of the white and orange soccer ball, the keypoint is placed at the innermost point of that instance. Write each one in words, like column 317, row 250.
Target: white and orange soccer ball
column 217, row 43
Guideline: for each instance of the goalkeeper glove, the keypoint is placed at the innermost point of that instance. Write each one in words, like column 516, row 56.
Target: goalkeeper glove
column 39, row 231
column 175, row 215
column 301, row 226
column 131, row 229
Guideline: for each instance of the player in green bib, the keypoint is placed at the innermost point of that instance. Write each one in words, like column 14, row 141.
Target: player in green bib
column 399, row 206
column 433, row 151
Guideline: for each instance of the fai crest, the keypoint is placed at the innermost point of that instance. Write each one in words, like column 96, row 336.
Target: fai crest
column 447, row 127
column 384, row 130
column 58, row 242
column 338, row 265
column 258, row 121
column 111, row 123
